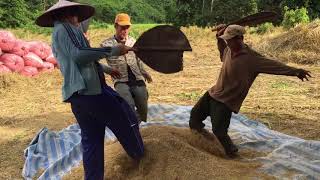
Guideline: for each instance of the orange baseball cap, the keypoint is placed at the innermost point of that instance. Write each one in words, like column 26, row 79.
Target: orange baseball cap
column 122, row 19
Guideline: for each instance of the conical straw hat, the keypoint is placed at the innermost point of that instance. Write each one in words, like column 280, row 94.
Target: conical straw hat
column 46, row 19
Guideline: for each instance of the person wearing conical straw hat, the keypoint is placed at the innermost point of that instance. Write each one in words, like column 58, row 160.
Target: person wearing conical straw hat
column 94, row 104
column 241, row 65
column 84, row 25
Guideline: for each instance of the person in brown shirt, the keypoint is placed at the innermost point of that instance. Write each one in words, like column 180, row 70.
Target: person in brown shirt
column 241, row 65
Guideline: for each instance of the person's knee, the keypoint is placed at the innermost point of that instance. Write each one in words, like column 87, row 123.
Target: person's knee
column 124, row 91
column 193, row 112
column 195, row 123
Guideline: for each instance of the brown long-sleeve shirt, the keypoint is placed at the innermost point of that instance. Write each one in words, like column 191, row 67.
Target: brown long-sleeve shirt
column 238, row 73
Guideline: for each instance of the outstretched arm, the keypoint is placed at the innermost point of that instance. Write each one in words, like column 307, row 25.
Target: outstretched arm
column 66, row 39
column 268, row 66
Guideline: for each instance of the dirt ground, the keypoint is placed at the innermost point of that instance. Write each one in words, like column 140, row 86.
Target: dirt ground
column 285, row 104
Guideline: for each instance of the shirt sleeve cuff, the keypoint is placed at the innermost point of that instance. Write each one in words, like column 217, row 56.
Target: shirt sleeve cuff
column 115, row 51
column 106, row 69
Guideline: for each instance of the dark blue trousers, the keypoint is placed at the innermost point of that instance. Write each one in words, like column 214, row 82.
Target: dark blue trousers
column 94, row 113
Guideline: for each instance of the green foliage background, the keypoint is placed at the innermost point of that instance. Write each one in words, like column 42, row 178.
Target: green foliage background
column 22, row 13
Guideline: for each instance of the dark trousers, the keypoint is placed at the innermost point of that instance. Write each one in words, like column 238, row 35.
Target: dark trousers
column 94, row 113
column 220, row 118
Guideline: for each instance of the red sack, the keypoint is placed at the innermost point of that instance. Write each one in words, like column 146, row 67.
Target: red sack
column 20, row 48
column 4, row 69
column 33, row 60
column 0, row 51
column 14, row 62
column 29, row 71
column 7, row 41
column 41, row 49
column 47, row 67
column 52, row 59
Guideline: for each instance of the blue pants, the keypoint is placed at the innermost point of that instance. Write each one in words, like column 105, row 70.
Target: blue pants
column 94, row 113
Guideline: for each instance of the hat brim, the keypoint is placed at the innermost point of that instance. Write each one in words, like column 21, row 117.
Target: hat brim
column 47, row 20
column 124, row 23
column 226, row 36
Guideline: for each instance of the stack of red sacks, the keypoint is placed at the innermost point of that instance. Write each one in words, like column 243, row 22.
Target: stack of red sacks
column 26, row 58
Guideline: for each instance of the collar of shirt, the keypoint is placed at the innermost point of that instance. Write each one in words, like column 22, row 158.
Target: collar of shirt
column 120, row 41
column 244, row 50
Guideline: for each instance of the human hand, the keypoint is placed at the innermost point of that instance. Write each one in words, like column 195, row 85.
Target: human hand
column 148, row 78
column 115, row 74
column 220, row 29
column 303, row 74
column 221, row 26
column 124, row 49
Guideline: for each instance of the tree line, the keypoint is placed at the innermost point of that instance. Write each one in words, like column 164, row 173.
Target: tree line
column 18, row 13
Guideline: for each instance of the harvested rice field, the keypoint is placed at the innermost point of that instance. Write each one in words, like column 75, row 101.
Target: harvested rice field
column 284, row 104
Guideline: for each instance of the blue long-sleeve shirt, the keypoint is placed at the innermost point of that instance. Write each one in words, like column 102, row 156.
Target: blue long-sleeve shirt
column 77, row 60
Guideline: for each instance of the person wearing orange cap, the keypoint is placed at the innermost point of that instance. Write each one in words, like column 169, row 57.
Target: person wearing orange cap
column 241, row 65
column 94, row 104
column 127, row 71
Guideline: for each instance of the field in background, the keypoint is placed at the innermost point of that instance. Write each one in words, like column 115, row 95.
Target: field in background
column 298, row 45
column 283, row 103
column 33, row 32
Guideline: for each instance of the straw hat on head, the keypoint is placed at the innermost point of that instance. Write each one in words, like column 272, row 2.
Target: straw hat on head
column 46, row 19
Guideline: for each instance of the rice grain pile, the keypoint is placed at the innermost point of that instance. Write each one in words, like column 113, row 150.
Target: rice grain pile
column 178, row 154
